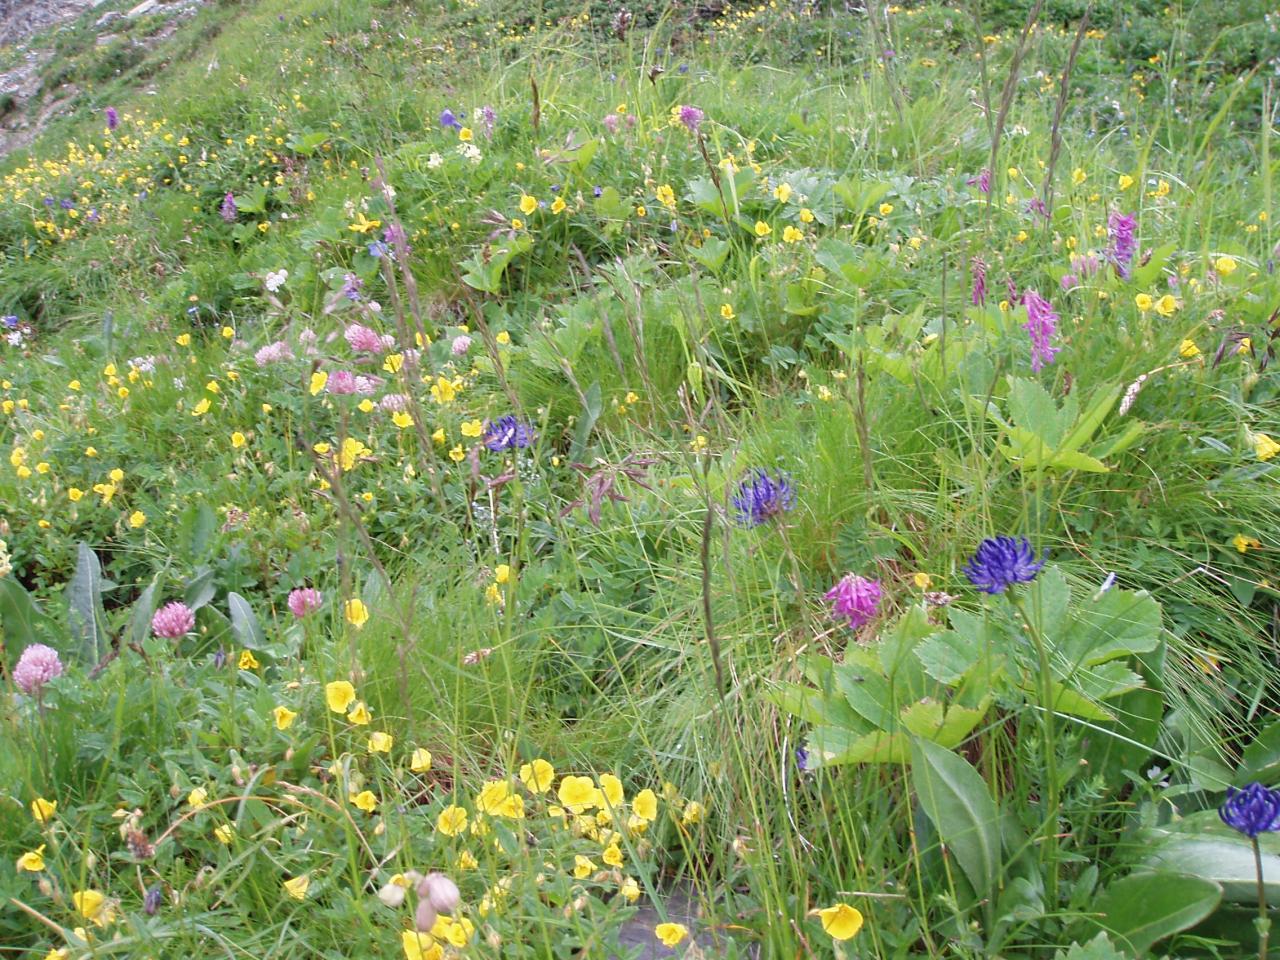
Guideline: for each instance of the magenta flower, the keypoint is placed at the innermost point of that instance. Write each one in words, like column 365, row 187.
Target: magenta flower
column 273, row 353
column 691, row 117
column 1041, row 325
column 855, row 597
column 341, row 382
column 304, row 600
column 1120, row 228
column 979, row 295
column 610, row 122
column 173, row 620
column 363, row 339
column 36, row 667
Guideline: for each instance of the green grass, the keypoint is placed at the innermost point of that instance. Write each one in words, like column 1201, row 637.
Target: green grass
column 660, row 348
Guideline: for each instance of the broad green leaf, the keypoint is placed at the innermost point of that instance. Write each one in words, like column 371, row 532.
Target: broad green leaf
column 711, row 254
column 20, row 618
column 1031, row 408
column 1118, row 624
column 868, row 693
column 200, row 588
column 1143, row 908
column 956, row 799
column 1203, row 846
column 947, row 726
column 84, row 602
column 1261, row 759
column 1087, row 425
column 1069, row 701
column 143, row 610
column 244, row 622
column 1099, row 948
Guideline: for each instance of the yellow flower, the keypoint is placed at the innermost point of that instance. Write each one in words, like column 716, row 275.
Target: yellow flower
column 630, row 890
column 782, row 192
column 297, row 887
column 356, row 612
column 666, row 196
column 366, row 800
column 452, row 821
column 43, row 810
column 517, row 223
column 248, row 661
column 438, row 436
column 380, row 742
column 806, row 215
column 360, row 714
column 763, row 229
column 886, row 209
column 1245, row 544
column 420, row 760
column 238, row 440
column 1264, row 447
column 89, row 903
column 582, row 867
column 224, row 833
column 1167, row 305
column 465, row 135
column 558, row 205
column 457, row 454
column 183, row 340
column 791, row 235
column 612, row 855
column 90, row 451
column 501, row 573
column 444, row 391
column 363, row 225
column 318, row 381
column 137, row 519
column 228, row 333
column 671, row 934
column 472, row 428
column 466, row 861
column 32, row 861
column 393, row 362
column 578, row 794
column 339, row 695
column 1078, row 176
column 1225, row 266
column 645, row 805
column 528, row 204
column 351, row 452
column 693, row 812
column 284, row 717
column 537, row 776
column 611, row 789
column 420, row 946
column 1126, row 181
column 1144, row 302
column 503, row 338
column 402, row 420
column 726, row 311
column 198, row 797
column 1188, row 349
column 841, row 921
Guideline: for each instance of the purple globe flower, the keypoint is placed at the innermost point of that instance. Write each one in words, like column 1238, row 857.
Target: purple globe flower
column 173, row 620
column 762, row 496
column 691, row 117
column 1000, row 562
column 507, row 433
column 855, row 598
column 37, row 666
column 1252, row 811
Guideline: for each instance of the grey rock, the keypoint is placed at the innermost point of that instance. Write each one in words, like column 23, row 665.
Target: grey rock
column 142, row 9
column 108, row 18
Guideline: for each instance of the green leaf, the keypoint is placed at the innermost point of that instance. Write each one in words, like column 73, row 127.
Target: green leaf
column 144, row 609
column 711, row 254
column 1118, row 624
column 1099, row 948
column 1031, row 408
column 587, row 421
column 1103, row 399
column 1261, row 759
column 1143, row 908
column 244, row 622
column 84, row 601
column 20, row 618
column 956, row 799
column 200, row 588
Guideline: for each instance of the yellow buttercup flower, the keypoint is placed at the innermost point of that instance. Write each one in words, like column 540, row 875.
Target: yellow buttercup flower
column 1125, row 181
column 791, row 235
column 402, row 420
column 1144, row 302
column 284, row 717
column 1225, row 266
column 1264, row 447
column 318, row 381
column 645, row 805
column 630, row 890
column 420, row 760
column 537, row 776
column 582, row 867
column 224, row 833
column 137, row 519
column 1188, row 349
column 1245, row 544
column 360, row 714
column 726, row 311
column 671, row 934
column 198, row 797
column 578, row 794
column 841, row 921
column 43, row 810
column 528, row 204
column 356, row 612
column 612, row 855
column 452, row 821
column 420, row 946
column 611, row 789
column 248, row 661
column 763, row 229
column 238, row 440
column 89, row 903
column 32, row 861
column 366, row 800
column 1167, row 305
column 339, row 695
column 297, row 887
column 380, row 742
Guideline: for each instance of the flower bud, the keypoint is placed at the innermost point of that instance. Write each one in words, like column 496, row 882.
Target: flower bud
column 441, row 892
column 424, row 918
column 392, row 894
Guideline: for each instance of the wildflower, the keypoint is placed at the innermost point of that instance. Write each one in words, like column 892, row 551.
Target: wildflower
column 979, row 295
column 452, row 821
column 37, row 666
column 791, row 235
column 1225, row 266
column 362, row 339
column 112, row 118
column 248, row 661
column 460, row 345
column 224, row 833
column 359, row 714
column 365, row 800
column 1245, row 544
column 1144, row 302
column 1167, row 305
column 578, row 794
column 1264, row 447
column 1001, row 562
column 629, row 890
column 444, row 391
column 1252, row 810
column 1041, row 325
column 690, row 117
column 726, row 311
column 228, row 209
column 284, row 717
column 297, row 887
column 582, row 867
column 449, row 119
column 173, row 620
column 90, row 903
column 1121, row 249
column 841, row 921
column 855, row 597
column 982, row 181
column 419, row 946
column 304, row 600
column 537, row 776
column 32, row 861
column 528, row 204
column 762, row 229
column 1188, row 349
column 274, row 281
column 380, row 742
column 507, row 433
column 339, row 694
column 319, row 379
column 762, row 496
column 671, row 934
column 420, row 760
column 645, row 805
column 465, row 134
column 42, row 810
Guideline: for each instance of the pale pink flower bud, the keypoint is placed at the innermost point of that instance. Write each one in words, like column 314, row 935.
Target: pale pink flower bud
column 441, row 892
column 424, row 918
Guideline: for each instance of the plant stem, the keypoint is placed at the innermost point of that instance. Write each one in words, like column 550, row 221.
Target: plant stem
column 1263, row 923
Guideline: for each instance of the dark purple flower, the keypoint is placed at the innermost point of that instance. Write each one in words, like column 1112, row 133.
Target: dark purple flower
column 982, row 181
column 378, row 248
column 762, row 496
column 113, row 118
column 49, row 201
column 979, row 295
column 802, row 759
column 597, row 191
column 228, row 208
column 1011, row 289
column 691, row 117
column 67, row 204
column 683, row 68
column 1120, row 228
column 1000, row 562
column 449, row 119
column 1252, row 811
column 1041, row 325
column 152, row 901
column 507, row 433
column 1037, row 206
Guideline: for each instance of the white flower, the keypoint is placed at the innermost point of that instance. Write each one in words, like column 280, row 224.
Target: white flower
column 434, row 160
column 274, row 281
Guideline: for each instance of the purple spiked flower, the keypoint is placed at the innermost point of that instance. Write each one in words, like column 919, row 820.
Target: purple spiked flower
column 979, row 295
column 1252, row 811
column 1041, row 325
column 982, row 181
column 113, row 118
column 762, row 496
column 228, row 208
column 1120, row 252
column 37, row 666
column 1000, row 562
column 507, row 433
column 856, row 598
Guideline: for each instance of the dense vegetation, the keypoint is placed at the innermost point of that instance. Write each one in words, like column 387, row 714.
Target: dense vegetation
column 563, row 448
